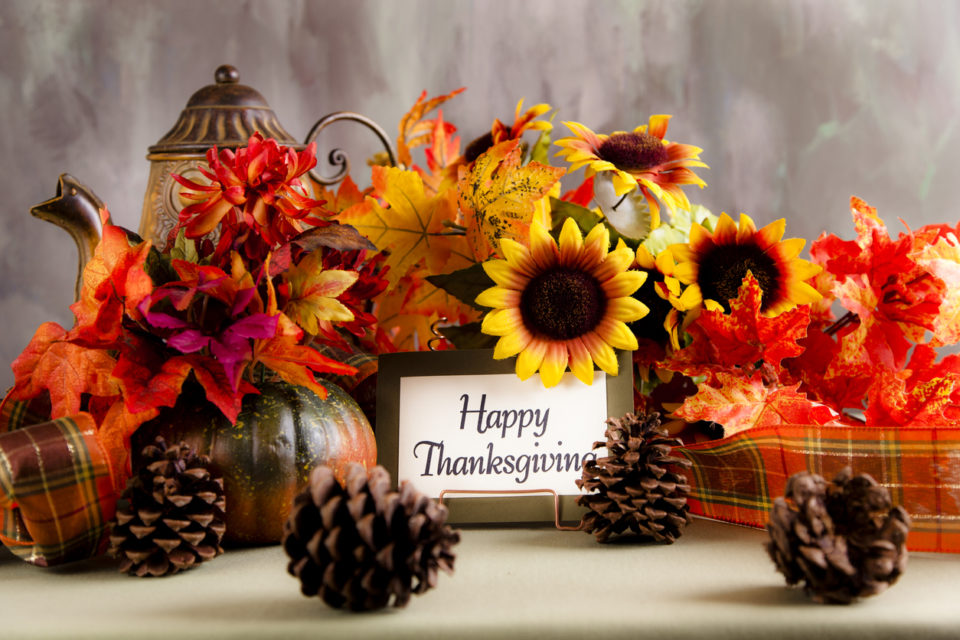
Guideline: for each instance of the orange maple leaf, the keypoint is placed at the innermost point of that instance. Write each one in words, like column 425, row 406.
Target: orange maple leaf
column 739, row 403
column 498, row 197
column 295, row 362
column 114, row 282
column 414, row 228
column 314, row 291
column 414, row 130
column 64, row 369
column 943, row 260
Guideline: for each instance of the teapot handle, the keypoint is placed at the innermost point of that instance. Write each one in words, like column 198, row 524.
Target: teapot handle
column 75, row 208
column 338, row 157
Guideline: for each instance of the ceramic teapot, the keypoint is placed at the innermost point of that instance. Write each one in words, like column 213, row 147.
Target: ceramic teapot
column 225, row 113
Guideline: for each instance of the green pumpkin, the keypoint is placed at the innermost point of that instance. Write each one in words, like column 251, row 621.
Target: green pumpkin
column 266, row 457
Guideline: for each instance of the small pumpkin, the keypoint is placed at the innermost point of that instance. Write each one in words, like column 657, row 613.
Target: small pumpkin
column 266, row 457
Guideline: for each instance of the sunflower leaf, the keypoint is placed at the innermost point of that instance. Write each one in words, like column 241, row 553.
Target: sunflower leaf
column 464, row 285
column 585, row 219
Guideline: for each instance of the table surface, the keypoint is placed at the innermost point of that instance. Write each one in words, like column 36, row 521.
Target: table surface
column 716, row 581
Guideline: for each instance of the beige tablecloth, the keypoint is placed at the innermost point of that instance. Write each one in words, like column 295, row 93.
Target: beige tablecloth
column 715, row 582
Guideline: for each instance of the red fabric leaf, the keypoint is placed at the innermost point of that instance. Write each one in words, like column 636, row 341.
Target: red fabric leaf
column 66, row 370
column 742, row 338
column 739, row 403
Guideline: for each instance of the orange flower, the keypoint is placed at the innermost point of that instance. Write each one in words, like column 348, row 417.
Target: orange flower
column 637, row 159
column 499, row 132
column 715, row 264
column 562, row 305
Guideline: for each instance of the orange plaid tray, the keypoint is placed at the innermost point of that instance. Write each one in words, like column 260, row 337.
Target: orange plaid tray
column 736, row 479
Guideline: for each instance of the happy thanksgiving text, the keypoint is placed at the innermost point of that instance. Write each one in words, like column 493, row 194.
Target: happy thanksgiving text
column 497, row 424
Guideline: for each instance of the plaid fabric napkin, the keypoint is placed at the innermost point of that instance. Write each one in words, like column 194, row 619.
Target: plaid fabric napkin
column 56, row 492
column 736, row 479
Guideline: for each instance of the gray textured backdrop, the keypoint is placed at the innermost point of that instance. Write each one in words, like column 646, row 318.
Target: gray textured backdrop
column 798, row 105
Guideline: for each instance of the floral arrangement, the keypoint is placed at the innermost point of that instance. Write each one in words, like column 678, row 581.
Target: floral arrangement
column 267, row 274
column 728, row 324
column 261, row 300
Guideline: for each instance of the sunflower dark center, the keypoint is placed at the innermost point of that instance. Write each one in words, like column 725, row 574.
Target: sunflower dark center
column 650, row 326
column 633, row 151
column 723, row 268
column 562, row 303
column 478, row 146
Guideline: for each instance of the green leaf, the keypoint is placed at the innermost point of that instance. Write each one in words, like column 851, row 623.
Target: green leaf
column 585, row 219
column 464, row 285
column 468, row 336
column 185, row 248
column 541, row 148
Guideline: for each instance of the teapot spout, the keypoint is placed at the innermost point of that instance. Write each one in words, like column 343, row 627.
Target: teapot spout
column 77, row 209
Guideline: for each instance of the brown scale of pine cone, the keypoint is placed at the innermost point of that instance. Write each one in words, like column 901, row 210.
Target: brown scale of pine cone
column 174, row 518
column 636, row 486
column 842, row 540
column 363, row 546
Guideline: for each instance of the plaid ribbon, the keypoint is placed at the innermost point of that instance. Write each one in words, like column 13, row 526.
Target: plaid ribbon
column 56, row 492
column 736, row 479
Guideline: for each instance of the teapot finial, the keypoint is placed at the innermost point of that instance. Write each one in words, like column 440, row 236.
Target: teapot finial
column 226, row 74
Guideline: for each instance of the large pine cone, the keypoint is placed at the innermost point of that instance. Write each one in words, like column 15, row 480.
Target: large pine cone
column 636, row 487
column 175, row 516
column 842, row 540
column 362, row 546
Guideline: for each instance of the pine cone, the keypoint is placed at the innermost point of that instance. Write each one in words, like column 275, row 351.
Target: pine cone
column 843, row 540
column 635, row 486
column 175, row 515
column 362, row 546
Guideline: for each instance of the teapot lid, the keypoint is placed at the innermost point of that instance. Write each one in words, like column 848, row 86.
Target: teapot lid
column 225, row 114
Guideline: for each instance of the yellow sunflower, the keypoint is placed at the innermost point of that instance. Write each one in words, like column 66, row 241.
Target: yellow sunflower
column 714, row 265
column 637, row 159
column 559, row 305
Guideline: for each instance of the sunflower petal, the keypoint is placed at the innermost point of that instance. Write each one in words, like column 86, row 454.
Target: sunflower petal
column 498, row 298
column 543, row 249
column 617, row 334
column 601, row 352
column 504, row 275
column 530, row 358
column 554, row 364
column 501, row 322
column 626, row 309
column 581, row 364
column 624, row 284
column 571, row 241
column 512, row 344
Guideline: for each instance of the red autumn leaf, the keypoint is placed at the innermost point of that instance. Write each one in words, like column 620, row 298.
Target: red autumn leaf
column 582, row 195
column 114, row 283
column 114, row 436
column 66, row 370
column 925, row 393
column 294, row 362
column 826, row 376
column 741, row 338
column 896, row 299
column 739, row 403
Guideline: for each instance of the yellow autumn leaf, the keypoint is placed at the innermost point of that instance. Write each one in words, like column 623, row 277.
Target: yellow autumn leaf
column 498, row 196
column 412, row 228
column 314, row 292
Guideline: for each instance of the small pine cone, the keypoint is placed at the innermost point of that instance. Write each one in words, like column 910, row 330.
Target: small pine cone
column 175, row 513
column 635, row 486
column 842, row 540
column 362, row 546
